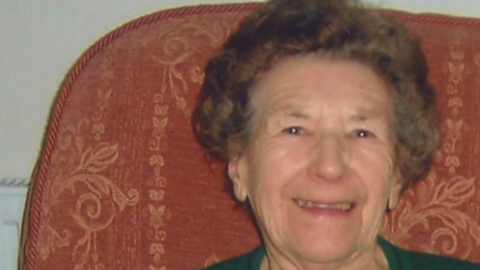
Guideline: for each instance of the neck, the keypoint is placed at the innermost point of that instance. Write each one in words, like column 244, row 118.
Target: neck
column 373, row 259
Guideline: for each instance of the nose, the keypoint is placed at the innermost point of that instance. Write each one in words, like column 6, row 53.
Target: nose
column 329, row 158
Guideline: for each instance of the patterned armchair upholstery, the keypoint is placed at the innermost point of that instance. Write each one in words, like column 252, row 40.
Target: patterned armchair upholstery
column 121, row 182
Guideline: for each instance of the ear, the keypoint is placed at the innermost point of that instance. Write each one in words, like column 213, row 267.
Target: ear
column 237, row 174
column 395, row 190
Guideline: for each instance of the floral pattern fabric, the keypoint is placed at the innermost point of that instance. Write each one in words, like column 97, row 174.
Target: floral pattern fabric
column 121, row 182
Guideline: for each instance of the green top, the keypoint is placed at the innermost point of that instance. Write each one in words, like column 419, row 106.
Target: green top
column 398, row 259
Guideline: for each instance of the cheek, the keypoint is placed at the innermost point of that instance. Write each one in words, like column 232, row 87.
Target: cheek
column 272, row 164
column 375, row 159
column 375, row 167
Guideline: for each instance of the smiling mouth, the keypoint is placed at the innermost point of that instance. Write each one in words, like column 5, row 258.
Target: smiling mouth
column 342, row 206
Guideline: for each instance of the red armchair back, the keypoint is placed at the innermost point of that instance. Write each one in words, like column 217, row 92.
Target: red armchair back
column 121, row 182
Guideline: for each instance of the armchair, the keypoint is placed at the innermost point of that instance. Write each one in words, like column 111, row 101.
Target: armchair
column 121, row 182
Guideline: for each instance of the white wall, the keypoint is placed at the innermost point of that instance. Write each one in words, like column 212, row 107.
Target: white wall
column 40, row 40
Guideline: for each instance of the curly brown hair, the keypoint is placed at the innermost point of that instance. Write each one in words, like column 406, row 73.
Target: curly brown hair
column 343, row 28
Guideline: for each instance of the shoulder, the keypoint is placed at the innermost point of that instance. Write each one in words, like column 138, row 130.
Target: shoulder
column 402, row 259
column 250, row 260
column 436, row 262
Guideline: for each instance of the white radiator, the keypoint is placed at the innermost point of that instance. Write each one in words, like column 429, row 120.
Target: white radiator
column 12, row 201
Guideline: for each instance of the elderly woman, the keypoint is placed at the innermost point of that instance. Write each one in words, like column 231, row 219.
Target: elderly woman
column 323, row 111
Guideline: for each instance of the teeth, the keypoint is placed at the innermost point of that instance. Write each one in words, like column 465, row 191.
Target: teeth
column 309, row 204
column 336, row 206
column 301, row 202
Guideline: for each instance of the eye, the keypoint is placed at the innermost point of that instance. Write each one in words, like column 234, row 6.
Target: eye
column 294, row 130
column 362, row 133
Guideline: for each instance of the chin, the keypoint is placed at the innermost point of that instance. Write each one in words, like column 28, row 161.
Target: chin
column 328, row 249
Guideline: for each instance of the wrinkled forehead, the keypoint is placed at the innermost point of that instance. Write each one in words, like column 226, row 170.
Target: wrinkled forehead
column 296, row 71
column 328, row 56
column 304, row 87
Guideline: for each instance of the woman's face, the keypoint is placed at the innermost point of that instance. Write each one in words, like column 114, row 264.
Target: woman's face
column 318, row 170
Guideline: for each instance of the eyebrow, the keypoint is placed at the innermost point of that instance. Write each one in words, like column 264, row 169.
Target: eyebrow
column 288, row 112
column 364, row 114
column 360, row 115
column 298, row 114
